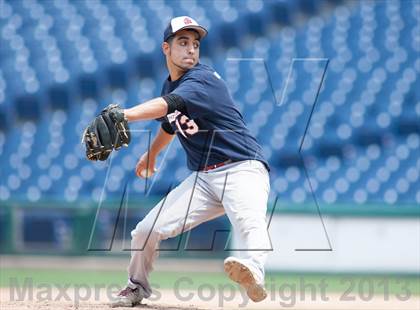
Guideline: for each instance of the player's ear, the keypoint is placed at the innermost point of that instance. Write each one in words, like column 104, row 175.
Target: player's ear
column 166, row 48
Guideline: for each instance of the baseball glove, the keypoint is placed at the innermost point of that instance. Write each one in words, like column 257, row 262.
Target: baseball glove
column 107, row 132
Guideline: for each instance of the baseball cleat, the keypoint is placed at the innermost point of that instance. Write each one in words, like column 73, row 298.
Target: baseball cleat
column 128, row 297
column 241, row 274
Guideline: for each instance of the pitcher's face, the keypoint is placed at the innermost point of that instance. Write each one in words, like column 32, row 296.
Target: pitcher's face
column 184, row 49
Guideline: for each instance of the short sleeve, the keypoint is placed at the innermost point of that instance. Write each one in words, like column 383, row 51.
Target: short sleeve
column 195, row 96
column 167, row 128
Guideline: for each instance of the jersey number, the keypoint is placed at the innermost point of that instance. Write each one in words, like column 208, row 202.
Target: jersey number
column 186, row 126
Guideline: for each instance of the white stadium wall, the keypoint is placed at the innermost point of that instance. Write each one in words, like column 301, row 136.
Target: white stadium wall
column 358, row 244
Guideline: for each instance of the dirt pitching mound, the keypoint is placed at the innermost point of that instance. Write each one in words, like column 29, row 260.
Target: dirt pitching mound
column 43, row 299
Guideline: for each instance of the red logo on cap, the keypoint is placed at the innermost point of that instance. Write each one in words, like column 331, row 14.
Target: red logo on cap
column 187, row 21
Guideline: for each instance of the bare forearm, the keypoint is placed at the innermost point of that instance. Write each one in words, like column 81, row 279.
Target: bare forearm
column 151, row 109
column 161, row 140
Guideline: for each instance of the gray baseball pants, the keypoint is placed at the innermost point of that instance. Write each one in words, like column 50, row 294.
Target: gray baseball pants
column 239, row 190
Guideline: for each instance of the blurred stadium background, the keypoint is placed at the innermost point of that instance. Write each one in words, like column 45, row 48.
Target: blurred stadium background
column 346, row 201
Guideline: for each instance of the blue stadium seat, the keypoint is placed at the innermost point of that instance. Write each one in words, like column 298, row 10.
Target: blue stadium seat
column 61, row 62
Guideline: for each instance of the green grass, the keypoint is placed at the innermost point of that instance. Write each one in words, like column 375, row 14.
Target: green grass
column 274, row 281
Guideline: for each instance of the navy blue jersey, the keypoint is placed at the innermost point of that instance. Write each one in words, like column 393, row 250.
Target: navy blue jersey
column 210, row 127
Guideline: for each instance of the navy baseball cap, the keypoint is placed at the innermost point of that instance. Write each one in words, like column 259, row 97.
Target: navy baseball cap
column 183, row 22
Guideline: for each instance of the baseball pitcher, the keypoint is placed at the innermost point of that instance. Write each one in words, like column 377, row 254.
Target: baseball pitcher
column 229, row 173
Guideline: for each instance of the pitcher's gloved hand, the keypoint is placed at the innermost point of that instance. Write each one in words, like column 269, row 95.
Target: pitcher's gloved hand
column 108, row 131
